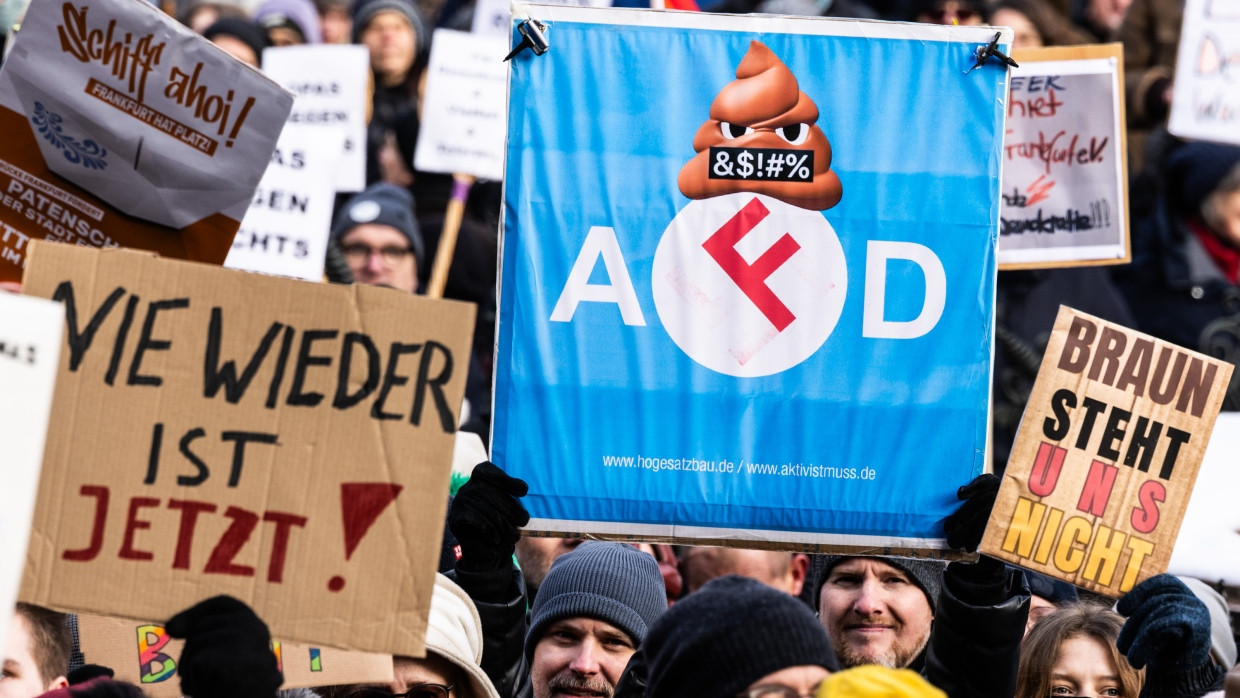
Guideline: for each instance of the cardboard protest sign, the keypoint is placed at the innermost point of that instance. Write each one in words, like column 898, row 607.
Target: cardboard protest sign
column 284, row 442
column 330, row 84
column 463, row 117
column 732, row 308
column 30, row 330
column 148, row 136
column 145, row 655
column 1209, row 543
column 1065, row 176
column 1205, row 100
column 1106, row 455
column 285, row 232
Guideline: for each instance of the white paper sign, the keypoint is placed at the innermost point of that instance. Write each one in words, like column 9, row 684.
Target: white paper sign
column 1209, row 542
column 330, row 84
column 30, row 332
column 140, row 111
column 464, row 121
column 1063, row 165
column 285, row 231
column 1205, row 103
column 493, row 17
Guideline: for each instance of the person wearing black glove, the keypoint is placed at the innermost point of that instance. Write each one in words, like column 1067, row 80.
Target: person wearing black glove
column 227, row 651
column 486, row 517
column 983, row 607
column 1168, row 633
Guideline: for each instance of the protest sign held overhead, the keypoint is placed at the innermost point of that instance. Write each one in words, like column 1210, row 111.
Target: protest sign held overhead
column 462, row 129
column 285, row 231
column 148, row 136
column 225, row 432
column 1107, row 452
column 730, row 311
column 1205, row 101
column 145, row 655
column 1064, row 172
column 30, row 330
column 329, row 82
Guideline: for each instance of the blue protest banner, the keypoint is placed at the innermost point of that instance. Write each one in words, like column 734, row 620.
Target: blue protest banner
column 748, row 276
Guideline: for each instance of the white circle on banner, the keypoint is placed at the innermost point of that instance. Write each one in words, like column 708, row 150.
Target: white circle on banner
column 748, row 285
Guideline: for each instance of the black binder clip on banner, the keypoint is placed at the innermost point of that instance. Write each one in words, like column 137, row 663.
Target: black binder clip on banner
column 991, row 50
column 533, row 37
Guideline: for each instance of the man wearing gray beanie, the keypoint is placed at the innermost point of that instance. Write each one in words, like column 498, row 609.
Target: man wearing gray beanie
column 591, row 613
column 379, row 237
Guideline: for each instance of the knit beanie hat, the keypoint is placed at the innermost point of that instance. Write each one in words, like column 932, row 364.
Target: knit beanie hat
column 874, row 681
column 454, row 632
column 733, row 631
column 1194, row 171
column 926, row 574
column 244, row 30
column 382, row 204
column 365, row 10
column 299, row 15
column 611, row 582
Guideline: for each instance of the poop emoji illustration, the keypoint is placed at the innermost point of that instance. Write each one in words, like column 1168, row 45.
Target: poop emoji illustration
column 785, row 154
column 749, row 278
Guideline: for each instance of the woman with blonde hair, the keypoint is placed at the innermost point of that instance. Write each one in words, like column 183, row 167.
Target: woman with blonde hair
column 1072, row 652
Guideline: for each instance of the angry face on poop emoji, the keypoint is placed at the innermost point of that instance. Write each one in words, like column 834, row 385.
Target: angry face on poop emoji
column 763, row 108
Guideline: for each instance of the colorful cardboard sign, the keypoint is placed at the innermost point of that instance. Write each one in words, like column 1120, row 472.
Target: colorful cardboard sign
column 146, row 656
column 1107, row 452
column 286, row 230
column 1209, row 542
column 149, row 136
column 733, row 308
column 329, row 81
column 1065, row 175
column 221, row 432
column 30, row 331
column 1205, row 99
column 463, row 129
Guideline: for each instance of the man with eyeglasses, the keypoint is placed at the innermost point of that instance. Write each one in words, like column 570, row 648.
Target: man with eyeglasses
column 379, row 237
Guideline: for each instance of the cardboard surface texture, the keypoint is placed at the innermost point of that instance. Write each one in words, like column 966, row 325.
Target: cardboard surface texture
column 219, row 432
column 1106, row 456
column 1065, row 172
column 30, row 330
column 149, row 136
column 143, row 654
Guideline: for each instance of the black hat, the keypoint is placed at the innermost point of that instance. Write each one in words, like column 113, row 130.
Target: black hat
column 244, row 30
column 1195, row 170
column 926, row 574
column 721, row 638
column 382, row 204
column 365, row 10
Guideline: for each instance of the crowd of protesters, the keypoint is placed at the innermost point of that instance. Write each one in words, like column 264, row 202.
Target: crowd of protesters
column 535, row 617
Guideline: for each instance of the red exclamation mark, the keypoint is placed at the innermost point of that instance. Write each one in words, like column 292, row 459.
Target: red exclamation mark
column 361, row 503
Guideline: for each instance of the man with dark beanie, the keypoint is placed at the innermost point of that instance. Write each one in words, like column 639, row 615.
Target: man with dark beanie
column 961, row 626
column 380, row 238
column 732, row 636
column 592, row 612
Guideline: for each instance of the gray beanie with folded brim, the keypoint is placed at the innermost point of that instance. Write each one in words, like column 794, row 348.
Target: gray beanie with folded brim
column 926, row 574
column 612, row 582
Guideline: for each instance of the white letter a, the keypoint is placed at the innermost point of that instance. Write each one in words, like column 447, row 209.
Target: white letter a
column 600, row 242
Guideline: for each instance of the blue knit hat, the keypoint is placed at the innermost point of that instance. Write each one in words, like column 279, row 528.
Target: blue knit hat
column 611, row 582
column 382, row 204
